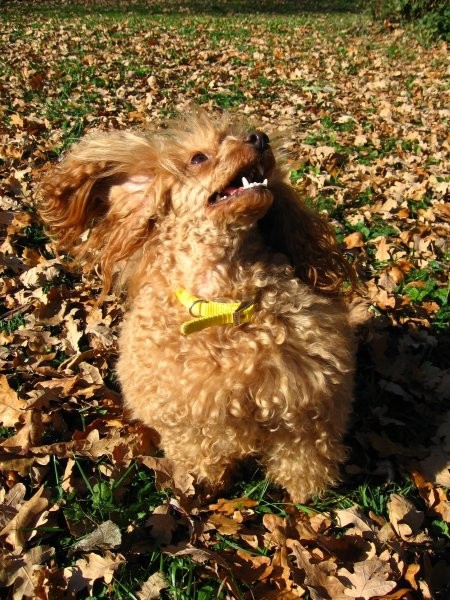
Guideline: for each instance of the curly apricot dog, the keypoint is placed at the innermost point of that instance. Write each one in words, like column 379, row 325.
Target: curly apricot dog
column 236, row 341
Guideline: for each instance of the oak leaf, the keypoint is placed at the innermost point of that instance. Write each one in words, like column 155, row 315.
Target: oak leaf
column 251, row 567
column 31, row 513
column 406, row 519
column 319, row 577
column 19, row 570
column 10, row 503
column 152, row 588
column 11, row 406
column 356, row 522
column 224, row 524
column 162, row 525
column 90, row 568
column 105, row 536
column 369, row 579
column 435, row 498
column 228, row 506
column 170, row 475
column 383, row 253
column 354, row 240
column 199, row 555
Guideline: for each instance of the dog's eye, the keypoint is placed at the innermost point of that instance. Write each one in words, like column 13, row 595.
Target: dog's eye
column 198, row 158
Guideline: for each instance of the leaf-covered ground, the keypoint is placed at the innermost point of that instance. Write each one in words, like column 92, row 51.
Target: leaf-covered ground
column 88, row 507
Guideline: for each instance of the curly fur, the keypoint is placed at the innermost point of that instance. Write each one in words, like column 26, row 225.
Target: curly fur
column 280, row 387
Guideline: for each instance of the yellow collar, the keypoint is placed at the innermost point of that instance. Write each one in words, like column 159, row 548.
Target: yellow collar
column 207, row 313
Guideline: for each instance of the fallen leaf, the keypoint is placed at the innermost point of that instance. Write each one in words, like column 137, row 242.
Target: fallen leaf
column 383, row 250
column 152, row 588
column 22, row 527
column 436, row 467
column 224, row 524
column 89, row 569
column 369, row 579
column 169, row 475
column 11, row 406
column 406, row 519
column 162, row 525
column 356, row 519
column 319, row 580
column 19, row 570
column 250, row 567
column 354, row 240
column 199, row 555
column 104, row 537
column 229, row 506
column 435, row 498
column 411, row 574
column 10, row 503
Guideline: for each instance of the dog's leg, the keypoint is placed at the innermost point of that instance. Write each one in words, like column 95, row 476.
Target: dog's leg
column 303, row 468
column 208, row 459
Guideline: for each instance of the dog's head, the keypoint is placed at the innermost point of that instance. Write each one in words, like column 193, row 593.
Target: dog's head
column 220, row 171
column 107, row 196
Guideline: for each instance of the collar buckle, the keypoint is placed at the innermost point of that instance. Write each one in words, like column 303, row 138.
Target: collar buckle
column 238, row 313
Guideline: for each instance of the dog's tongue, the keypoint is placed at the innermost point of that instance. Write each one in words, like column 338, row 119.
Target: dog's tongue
column 230, row 190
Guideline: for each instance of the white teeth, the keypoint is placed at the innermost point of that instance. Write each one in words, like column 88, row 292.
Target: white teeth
column 246, row 184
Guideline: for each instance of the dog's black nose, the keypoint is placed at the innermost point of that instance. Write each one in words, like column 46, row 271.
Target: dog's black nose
column 259, row 140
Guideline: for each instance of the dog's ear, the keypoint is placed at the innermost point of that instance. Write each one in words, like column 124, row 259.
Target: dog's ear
column 102, row 200
column 301, row 234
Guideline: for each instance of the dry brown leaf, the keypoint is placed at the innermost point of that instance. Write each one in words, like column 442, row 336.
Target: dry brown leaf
column 265, row 593
column 411, row 574
column 106, row 536
column 386, row 282
column 90, row 568
column 29, row 432
column 11, row 406
column 224, row 524
column 401, row 594
column 282, row 570
column 369, row 579
column 272, row 522
column 152, row 588
column 383, row 250
column 73, row 332
column 354, row 240
column 406, row 519
column 385, row 446
column 199, row 555
column 353, row 517
column 162, row 525
column 250, row 567
column 22, row 527
column 10, row 503
column 320, row 522
column 436, row 467
column 229, row 506
column 320, row 579
column 435, row 498
column 170, row 475
column 24, row 466
column 19, row 570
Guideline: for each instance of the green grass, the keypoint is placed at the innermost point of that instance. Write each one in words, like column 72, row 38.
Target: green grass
column 102, row 500
column 367, row 497
column 12, row 323
column 428, row 284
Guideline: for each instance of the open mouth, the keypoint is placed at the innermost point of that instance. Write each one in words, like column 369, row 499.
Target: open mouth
column 244, row 180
